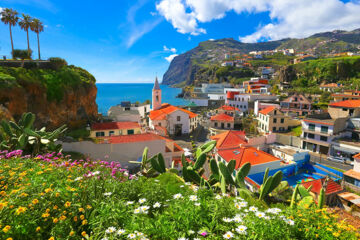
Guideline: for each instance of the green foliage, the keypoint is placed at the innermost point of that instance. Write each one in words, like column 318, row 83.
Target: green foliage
column 57, row 63
column 23, row 136
column 270, row 183
column 297, row 131
column 21, row 54
column 79, row 133
column 321, row 200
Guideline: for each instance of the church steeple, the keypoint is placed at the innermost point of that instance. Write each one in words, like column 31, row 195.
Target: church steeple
column 156, row 95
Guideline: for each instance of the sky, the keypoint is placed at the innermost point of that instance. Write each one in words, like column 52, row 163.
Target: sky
column 132, row 41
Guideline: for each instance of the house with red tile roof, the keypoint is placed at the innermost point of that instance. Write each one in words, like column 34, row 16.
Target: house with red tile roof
column 221, row 121
column 227, row 109
column 332, row 188
column 107, row 129
column 175, row 120
column 296, row 103
column 271, row 119
column 352, row 176
column 330, row 87
column 346, row 95
column 347, row 108
column 229, row 139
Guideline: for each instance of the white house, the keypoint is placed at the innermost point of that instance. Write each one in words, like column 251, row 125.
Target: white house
column 175, row 120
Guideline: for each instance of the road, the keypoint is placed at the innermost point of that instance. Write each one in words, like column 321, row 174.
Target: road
column 316, row 158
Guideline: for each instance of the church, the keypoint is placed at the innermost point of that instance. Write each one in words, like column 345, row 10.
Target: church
column 173, row 120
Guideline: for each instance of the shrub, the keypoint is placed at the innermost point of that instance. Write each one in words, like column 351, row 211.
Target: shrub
column 56, row 63
column 21, row 54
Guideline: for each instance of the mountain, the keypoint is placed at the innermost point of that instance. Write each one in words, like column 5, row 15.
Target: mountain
column 185, row 67
column 56, row 95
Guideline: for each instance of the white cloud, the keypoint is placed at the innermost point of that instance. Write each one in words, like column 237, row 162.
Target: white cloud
column 289, row 18
column 153, row 13
column 166, row 49
column 171, row 57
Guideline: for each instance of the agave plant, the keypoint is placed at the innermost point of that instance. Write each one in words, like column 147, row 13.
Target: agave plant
column 24, row 136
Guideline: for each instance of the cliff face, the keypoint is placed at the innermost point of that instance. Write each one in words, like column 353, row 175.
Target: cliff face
column 77, row 104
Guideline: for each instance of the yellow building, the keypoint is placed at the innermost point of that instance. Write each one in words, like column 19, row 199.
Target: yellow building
column 114, row 129
column 272, row 119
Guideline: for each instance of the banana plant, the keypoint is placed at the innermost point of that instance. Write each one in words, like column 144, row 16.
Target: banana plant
column 269, row 183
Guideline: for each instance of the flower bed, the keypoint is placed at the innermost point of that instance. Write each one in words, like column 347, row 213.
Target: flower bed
column 53, row 197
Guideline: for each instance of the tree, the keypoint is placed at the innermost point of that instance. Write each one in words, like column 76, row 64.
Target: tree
column 37, row 27
column 25, row 24
column 9, row 16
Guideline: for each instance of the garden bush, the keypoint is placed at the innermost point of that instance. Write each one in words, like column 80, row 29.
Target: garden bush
column 53, row 197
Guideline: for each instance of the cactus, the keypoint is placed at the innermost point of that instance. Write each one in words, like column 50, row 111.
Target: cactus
column 214, row 167
column 306, row 202
column 222, row 184
column 194, row 176
column 200, row 161
column 321, row 198
column 241, row 174
column 266, row 174
column 294, row 195
column 270, row 184
column 158, row 163
column 231, row 166
column 225, row 174
column 303, row 191
column 161, row 162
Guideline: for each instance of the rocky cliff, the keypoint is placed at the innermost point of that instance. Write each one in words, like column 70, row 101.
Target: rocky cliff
column 64, row 96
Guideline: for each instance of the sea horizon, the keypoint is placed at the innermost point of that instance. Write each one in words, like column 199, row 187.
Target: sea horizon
column 112, row 94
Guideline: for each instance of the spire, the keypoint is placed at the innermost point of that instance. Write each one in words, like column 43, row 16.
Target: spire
column 156, row 85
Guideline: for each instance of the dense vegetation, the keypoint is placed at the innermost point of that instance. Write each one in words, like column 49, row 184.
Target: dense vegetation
column 56, row 78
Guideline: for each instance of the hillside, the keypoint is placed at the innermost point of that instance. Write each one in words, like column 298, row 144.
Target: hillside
column 183, row 70
column 56, row 96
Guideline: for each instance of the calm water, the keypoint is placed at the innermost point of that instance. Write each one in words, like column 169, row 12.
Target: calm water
column 110, row 94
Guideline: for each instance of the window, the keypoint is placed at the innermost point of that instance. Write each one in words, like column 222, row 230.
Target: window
column 310, row 135
column 178, row 118
column 312, row 127
column 282, row 120
column 275, row 112
column 274, row 120
column 120, row 132
column 130, row 131
column 157, row 98
column 216, row 124
column 274, row 129
column 100, row 134
column 323, row 138
column 111, row 133
column 159, row 124
column 324, row 129
column 228, row 125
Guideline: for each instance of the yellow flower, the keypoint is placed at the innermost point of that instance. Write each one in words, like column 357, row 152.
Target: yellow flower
column 81, row 210
column 48, row 190
column 55, row 207
column 84, row 222
column 67, row 204
column 88, row 206
column 57, row 194
column 35, row 201
column 55, row 220
column 38, row 229
column 20, row 210
column 336, row 234
column 62, row 218
column 82, row 217
column 9, row 238
column 72, row 233
column 2, row 205
column 75, row 219
column 6, row 228
column 45, row 215
column 52, row 238
column 83, row 234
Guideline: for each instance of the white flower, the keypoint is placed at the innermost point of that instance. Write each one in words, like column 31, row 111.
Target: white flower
column 273, row 210
column 187, row 183
column 260, row 214
column 241, row 229
column 290, row 222
column 126, row 174
column 156, row 180
column 182, row 186
column 193, row 198
column 237, row 218
column 105, row 238
column 196, row 239
column 225, row 219
column 139, row 233
column 110, row 230
column 267, row 217
column 107, row 194
column 218, row 197
column 96, row 173
column 144, row 209
column 129, row 202
column 228, row 235
column 182, row 238
column 131, row 236
column 137, row 210
column 240, row 198
column 177, row 196
column 197, row 204
column 142, row 200
column 190, row 232
column 120, row 232
column 78, row 178
column 243, row 204
column 157, row 205
column 195, row 188
column 253, row 209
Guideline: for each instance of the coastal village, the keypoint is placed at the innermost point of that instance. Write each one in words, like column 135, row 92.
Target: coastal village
column 265, row 145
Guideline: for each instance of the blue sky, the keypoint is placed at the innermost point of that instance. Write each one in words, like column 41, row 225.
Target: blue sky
column 132, row 40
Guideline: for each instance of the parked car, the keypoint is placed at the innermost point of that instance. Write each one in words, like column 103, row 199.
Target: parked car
column 336, row 159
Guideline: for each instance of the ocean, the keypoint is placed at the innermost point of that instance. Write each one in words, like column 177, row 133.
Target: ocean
column 111, row 94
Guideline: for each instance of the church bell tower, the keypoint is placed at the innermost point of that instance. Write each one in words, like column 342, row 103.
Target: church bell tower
column 156, row 95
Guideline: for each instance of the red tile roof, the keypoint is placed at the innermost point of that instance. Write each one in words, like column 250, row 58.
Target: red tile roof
column 243, row 155
column 319, row 122
column 132, row 138
column 357, row 155
column 267, row 110
column 332, row 186
column 228, row 108
column 346, row 104
column 329, row 85
column 114, row 125
column 229, row 139
column 166, row 109
column 353, row 174
column 222, row 117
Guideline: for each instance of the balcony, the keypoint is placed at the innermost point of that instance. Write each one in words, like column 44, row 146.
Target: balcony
column 312, row 130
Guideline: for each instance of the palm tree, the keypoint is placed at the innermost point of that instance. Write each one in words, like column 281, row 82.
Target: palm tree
column 25, row 23
column 37, row 27
column 9, row 16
